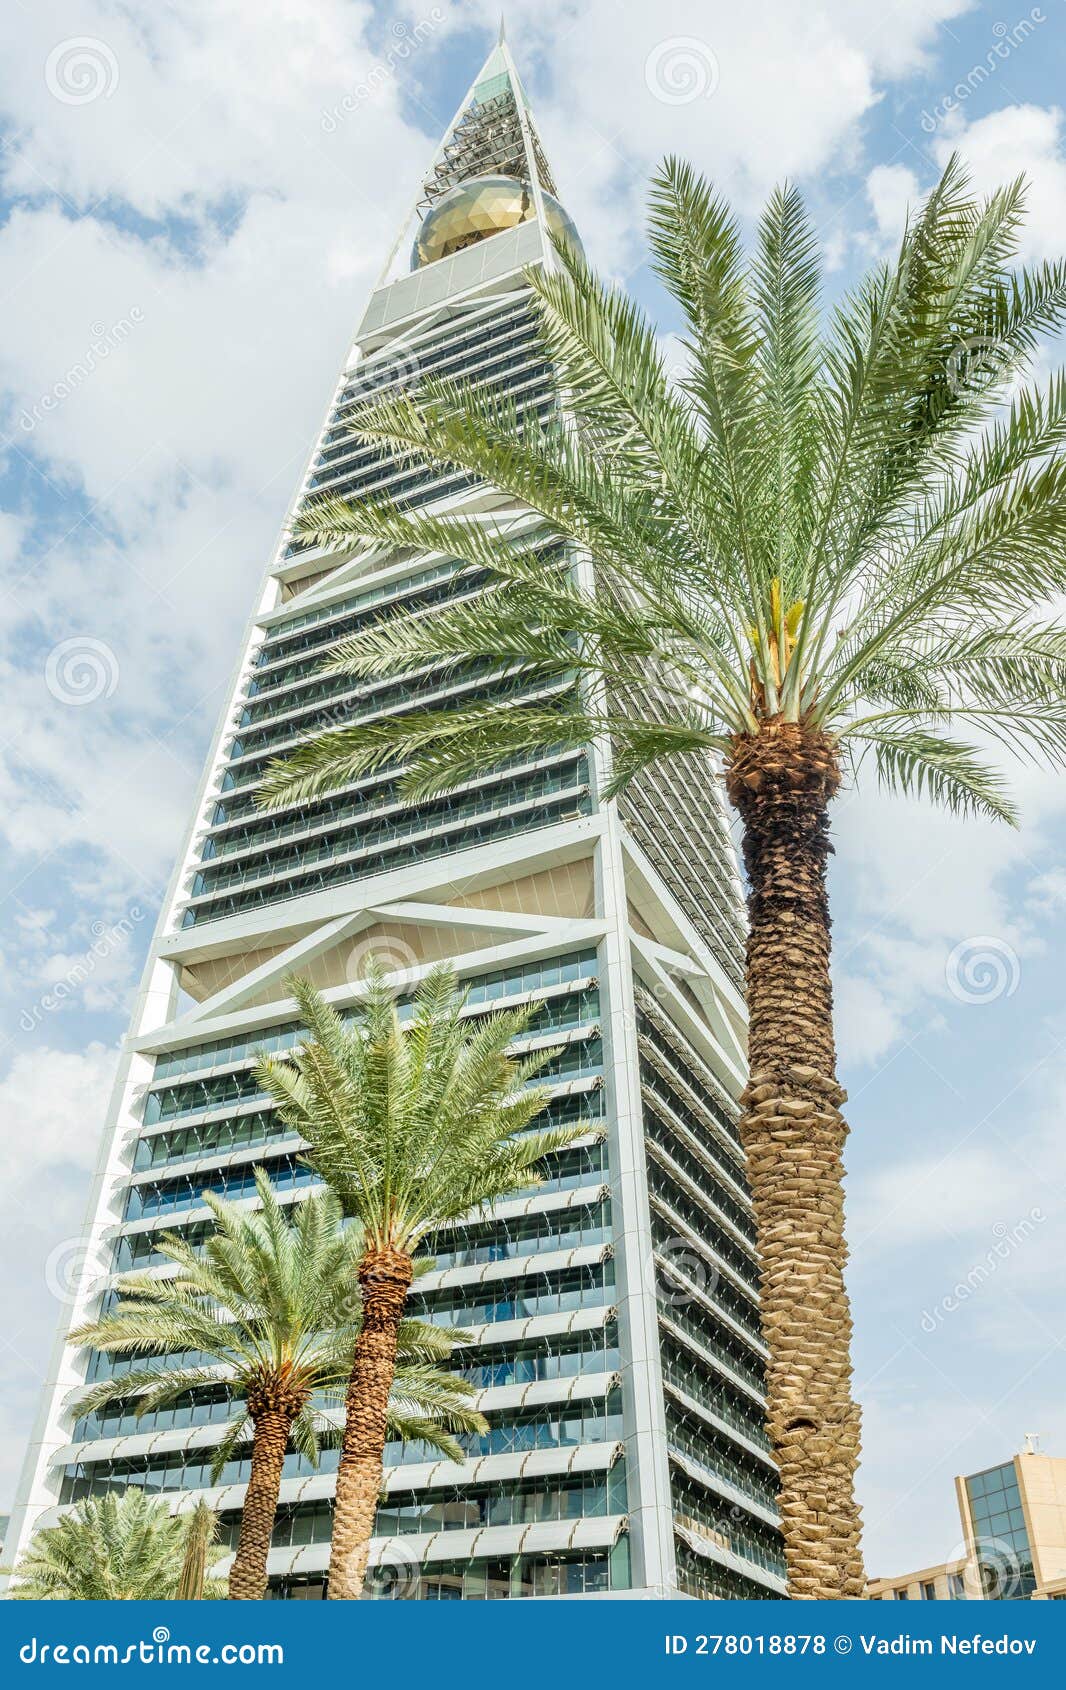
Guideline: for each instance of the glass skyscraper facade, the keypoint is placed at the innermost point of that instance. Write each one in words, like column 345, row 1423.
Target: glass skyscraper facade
column 613, row 1310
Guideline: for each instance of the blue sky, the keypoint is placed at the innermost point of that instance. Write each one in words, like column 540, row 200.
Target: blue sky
column 194, row 201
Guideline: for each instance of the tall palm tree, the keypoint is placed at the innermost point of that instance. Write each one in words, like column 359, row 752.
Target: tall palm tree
column 111, row 1548
column 413, row 1127
column 271, row 1310
column 828, row 541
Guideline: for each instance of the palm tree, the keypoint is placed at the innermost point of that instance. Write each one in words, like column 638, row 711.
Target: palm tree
column 412, row 1128
column 273, row 1303
column 825, row 542
column 200, row 1536
column 111, row 1548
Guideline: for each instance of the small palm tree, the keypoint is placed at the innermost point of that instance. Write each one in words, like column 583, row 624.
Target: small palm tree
column 412, row 1128
column 271, row 1309
column 821, row 545
column 111, row 1548
column 200, row 1536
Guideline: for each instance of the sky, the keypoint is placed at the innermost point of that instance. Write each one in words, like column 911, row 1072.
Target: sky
column 194, row 202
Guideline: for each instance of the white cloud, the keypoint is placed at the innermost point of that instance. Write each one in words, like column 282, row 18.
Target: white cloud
column 780, row 96
column 173, row 374
column 1018, row 140
column 960, row 1189
column 916, row 884
column 197, row 103
column 956, row 1263
column 891, row 189
column 868, row 1024
column 52, row 1105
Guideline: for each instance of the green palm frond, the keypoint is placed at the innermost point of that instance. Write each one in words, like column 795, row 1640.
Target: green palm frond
column 916, row 762
column 413, row 1125
column 273, row 1295
column 819, row 521
column 126, row 1547
column 231, row 1445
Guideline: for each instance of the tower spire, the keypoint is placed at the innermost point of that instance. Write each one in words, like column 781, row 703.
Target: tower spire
column 491, row 134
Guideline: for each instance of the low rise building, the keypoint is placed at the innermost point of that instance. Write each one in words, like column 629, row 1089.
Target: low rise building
column 1013, row 1542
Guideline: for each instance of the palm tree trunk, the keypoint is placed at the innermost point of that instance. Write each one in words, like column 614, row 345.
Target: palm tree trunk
column 384, row 1279
column 248, row 1574
column 793, row 1134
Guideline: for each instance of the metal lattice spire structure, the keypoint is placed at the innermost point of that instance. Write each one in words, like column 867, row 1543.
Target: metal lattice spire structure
column 615, row 1338
column 494, row 133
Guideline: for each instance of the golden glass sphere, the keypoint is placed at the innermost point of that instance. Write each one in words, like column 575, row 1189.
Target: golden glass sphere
column 482, row 206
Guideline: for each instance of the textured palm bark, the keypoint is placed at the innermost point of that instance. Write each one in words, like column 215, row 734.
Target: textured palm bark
column 384, row 1279
column 793, row 1134
column 273, row 1407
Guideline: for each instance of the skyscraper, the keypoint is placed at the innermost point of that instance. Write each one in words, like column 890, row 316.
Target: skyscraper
column 614, row 1310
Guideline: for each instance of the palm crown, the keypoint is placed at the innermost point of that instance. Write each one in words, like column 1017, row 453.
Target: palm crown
column 834, row 529
column 110, row 1548
column 415, row 1124
column 272, row 1300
